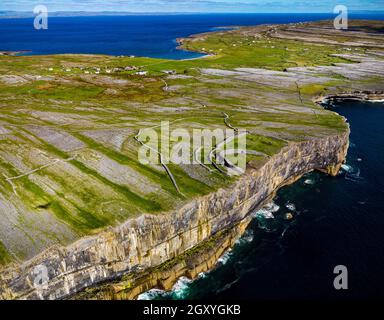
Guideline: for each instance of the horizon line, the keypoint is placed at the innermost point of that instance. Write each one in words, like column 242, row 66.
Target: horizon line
column 222, row 12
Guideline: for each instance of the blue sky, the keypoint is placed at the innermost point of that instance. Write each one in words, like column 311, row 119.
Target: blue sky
column 193, row 5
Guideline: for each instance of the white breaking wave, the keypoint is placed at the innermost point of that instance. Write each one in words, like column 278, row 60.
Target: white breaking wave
column 309, row 182
column 181, row 287
column 267, row 211
column 263, row 213
column 290, row 206
column 151, row 294
column 246, row 238
column 225, row 257
column 272, row 207
column 346, row 168
column 284, row 231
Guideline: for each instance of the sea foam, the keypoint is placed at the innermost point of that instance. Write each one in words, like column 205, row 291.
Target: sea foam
column 151, row 294
column 225, row 257
column 180, row 288
column 309, row 182
column 346, row 168
column 290, row 206
column 267, row 211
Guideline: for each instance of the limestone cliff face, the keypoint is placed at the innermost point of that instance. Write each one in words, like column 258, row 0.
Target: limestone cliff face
column 150, row 240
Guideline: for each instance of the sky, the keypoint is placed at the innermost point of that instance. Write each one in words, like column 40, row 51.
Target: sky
column 277, row 6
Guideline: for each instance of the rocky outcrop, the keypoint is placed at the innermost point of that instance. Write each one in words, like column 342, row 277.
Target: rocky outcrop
column 149, row 241
column 355, row 95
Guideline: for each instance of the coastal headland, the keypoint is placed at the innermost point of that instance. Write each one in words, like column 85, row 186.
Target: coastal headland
column 77, row 204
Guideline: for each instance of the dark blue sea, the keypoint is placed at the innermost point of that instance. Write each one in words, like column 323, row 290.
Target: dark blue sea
column 337, row 221
column 140, row 35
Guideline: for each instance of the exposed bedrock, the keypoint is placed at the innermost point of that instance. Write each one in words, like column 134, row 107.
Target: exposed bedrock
column 355, row 95
column 150, row 240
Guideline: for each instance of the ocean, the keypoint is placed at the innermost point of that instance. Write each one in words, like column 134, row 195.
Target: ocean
column 139, row 35
column 337, row 221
